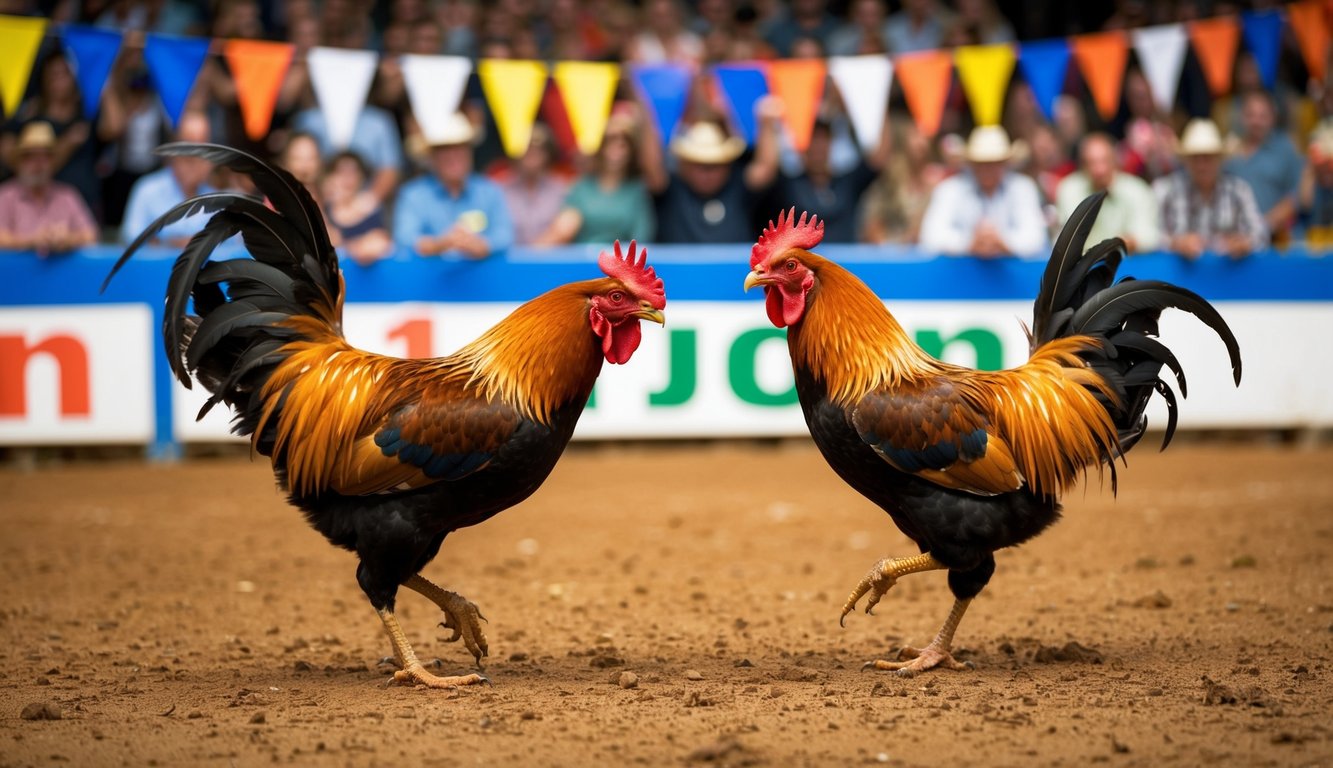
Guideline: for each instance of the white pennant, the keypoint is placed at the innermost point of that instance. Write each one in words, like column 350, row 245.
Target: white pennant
column 341, row 79
column 1161, row 53
column 864, row 84
column 435, row 87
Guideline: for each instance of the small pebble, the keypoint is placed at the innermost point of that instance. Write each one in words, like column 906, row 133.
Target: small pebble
column 693, row 674
column 41, row 710
column 258, row 718
column 627, row 680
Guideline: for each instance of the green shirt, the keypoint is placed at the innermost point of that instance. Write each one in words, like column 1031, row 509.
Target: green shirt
column 625, row 213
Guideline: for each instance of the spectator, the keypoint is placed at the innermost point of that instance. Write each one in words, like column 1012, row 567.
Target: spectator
column 139, row 126
column 664, row 38
column 1317, row 189
column 1150, row 142
column 1130, row 209
column 611, row 202
column 355, row 218
column 805, row 18
column 38, row 213
column 302, row 159
column 1268, row 161
column 863, row 34
column 1204, row 209
column 834, row 196
column 158, row 192
column 919, row 26
column 986, row 22
column 534, row 194
column 375, row 138
column 450, row 210
column 711, row 197
column 1048, row 161
column 896, row 203
column 57, row 102
column 988, row 210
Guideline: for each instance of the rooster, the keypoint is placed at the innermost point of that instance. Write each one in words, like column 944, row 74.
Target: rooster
column 967, row 462
column 384, row 456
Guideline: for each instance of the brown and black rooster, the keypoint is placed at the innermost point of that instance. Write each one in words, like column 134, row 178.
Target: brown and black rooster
column 967, row 462
column 384, row 456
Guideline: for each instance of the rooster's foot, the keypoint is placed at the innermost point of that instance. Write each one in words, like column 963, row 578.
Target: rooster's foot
column 462, row 616
column 914, row 660
column 415, row 674
column 883, row 575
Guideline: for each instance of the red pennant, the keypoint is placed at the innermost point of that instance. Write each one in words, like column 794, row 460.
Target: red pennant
column 1101, row 58
column 258, row 68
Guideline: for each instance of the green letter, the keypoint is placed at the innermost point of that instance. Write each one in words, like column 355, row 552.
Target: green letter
column 741, row 368
column 990, row 352
column 683, row 369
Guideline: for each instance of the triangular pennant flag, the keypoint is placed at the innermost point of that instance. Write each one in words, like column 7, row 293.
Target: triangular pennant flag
column 1263, row 36
column 173, row 65
column 341, row 80
column 743, row 85
column 984, row 71
column 925, row 78
column 258, row 68
column 435, row 86
column 1044, row 64
column 1161, row 52
column 864, row 83
column 20, row 37
column 92, row 51
column 799, row 83
column 664, row 89
column 556, row 116
column 514, row 92
column 588, row 89
column 1214, row 42
column 1310, row 22
column 1101, row 58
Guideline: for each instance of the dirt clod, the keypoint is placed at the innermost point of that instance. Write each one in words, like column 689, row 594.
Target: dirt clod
column 42, row 710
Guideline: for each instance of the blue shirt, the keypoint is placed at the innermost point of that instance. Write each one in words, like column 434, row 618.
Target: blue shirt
column 375, row 138
column 153, row 195
column 424, row 207
column 1273, row 171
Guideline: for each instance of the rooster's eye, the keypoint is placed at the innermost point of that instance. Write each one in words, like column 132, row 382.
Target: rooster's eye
column 617, row 297
column 791, row 265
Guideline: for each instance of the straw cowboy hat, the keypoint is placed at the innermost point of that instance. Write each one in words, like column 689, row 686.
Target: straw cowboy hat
column 988, row 144
column 456, row 129
column 705, row 143
column 37, row 135
column 1201, row 137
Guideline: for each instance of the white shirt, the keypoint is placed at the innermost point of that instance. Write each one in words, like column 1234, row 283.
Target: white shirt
column 958, row 206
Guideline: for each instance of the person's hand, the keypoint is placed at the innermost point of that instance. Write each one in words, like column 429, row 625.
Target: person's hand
column 1190, row 245
column 769, row 109
column 427, row 245
column 76, row 135
column 986, row 241
column 1236, row 246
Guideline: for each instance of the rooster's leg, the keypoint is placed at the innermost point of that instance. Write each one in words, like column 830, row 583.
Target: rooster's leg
column 884, row 575
column 412, row 671
column 937, row 654
column 460, row 615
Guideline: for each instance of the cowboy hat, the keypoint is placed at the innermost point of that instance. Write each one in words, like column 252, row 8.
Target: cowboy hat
column 37, row 135
column 1201, row 137
column 454, row 129
column 705, row 143
column 988, row 144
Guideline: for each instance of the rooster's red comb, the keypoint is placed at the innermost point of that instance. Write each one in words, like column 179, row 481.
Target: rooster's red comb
column 635, row 273
column 787, row 233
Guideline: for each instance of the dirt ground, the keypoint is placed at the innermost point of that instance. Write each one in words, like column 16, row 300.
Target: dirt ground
column 183, row 615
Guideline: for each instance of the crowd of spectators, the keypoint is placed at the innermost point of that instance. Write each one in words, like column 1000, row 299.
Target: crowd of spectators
column 1228, row 175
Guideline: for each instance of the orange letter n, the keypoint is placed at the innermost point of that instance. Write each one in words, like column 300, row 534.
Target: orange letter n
column 70, row 355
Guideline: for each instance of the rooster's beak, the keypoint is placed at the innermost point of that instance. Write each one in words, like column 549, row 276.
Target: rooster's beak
column 646, row 312
column 755, row 278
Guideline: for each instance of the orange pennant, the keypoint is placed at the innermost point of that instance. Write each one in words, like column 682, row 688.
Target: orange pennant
column 925, row 78
column 1214, row 42
column 1101, row 58
column 258, row 68
column 1310, row 21
column 799, row 84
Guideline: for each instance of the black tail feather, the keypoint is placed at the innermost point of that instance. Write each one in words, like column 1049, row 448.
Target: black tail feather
column 237, row 333
column 1079, row 296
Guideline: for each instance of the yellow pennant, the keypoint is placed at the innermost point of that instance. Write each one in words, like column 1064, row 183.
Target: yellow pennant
column 20, row 37
column 514, row 92
column 588, row 89
column 984, row 71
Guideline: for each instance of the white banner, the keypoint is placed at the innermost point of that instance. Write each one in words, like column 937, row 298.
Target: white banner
column 341, row 78
column 435, row 88
column 76, row 375
column 864, row 84
column 720, row 370
column 1161, row 52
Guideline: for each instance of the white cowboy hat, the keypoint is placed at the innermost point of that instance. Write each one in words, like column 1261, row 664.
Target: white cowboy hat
column 455, row 129
column 37, row 135
column 705, row 143
column 988, row 144
column 1201, row 137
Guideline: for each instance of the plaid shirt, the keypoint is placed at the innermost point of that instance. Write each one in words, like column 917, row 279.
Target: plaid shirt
column 1231, row 210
